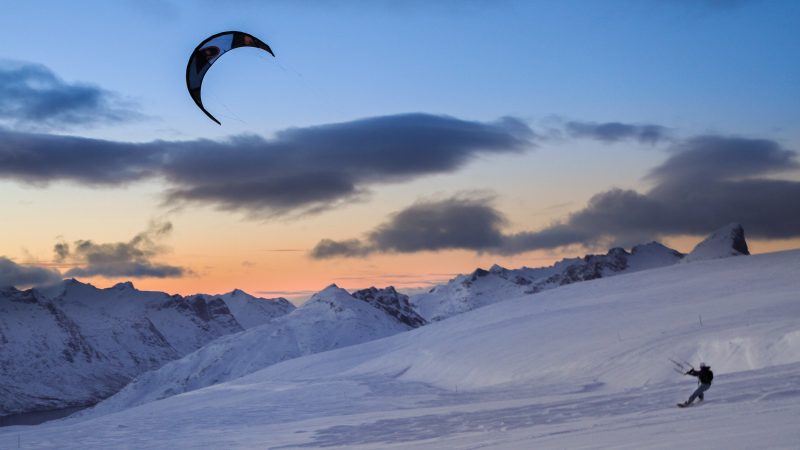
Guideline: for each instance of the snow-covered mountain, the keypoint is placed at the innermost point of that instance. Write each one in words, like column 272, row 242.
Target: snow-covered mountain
column 482, row 287
column 248, row 310
column 332, row 318
column 726, row 241
column 87, row 343
column 74, row 344
column 583, row 366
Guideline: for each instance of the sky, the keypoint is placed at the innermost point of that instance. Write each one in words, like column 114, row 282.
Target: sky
column 387, row 142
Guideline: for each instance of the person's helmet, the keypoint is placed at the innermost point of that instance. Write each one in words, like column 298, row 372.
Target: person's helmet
column 702, row 365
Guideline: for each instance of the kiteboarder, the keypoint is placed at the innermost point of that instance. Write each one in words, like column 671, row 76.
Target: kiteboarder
column 704, row 377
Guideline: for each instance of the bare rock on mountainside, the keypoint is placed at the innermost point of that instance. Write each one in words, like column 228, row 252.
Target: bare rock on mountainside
column 723, row 243
column 250, row 311
column 393, row 303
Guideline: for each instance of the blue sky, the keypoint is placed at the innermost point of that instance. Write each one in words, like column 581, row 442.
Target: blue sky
column 702, row 65
column 361, row 126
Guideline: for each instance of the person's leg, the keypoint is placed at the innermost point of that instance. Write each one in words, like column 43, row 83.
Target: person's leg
column 698, row 393
column 693, row 396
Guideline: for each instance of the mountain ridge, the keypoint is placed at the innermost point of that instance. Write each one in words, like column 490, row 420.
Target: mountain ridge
column 331, row 319
column 173, row 326
column 73, row 344
column 583, row 366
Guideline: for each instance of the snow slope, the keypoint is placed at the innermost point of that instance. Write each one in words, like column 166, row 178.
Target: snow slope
column 481, row 288
column 582, row 366
column 75, row 344
column 332, row 318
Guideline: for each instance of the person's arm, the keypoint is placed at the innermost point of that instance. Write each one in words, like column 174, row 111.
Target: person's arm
column 692, row 372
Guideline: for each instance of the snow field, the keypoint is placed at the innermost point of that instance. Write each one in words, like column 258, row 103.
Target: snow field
column 581, row 366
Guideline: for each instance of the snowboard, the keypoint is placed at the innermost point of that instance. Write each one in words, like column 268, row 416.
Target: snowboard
column 684, row 405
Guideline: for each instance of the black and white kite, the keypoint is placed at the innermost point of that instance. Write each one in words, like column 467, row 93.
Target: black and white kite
column 209, row 52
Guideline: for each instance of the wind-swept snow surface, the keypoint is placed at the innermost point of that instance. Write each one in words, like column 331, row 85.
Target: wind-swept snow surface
column 581, row 366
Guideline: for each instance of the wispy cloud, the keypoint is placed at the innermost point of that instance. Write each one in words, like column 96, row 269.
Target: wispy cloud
column 618, row 131
column 120, row 259
column 33, row 97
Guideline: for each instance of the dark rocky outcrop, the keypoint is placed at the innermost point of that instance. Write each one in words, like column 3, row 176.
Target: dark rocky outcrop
column 393, row 303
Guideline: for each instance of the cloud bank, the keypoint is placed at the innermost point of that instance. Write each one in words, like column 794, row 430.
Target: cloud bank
column 32, row 96
column 300, row 170
column 706, row 182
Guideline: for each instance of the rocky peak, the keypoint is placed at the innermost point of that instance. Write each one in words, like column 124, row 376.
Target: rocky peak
column 331, row 288
column 393, row 303
column 617, row 252
column 124, row 286
column 479, row 273
column 725, row 242
column 497, row 269
column 72, row 282
column 13, row 294
column 335, row 297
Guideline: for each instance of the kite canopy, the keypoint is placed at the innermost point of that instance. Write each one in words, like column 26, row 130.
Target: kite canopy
column 209, row 52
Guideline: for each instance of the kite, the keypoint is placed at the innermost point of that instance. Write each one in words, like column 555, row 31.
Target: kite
column 208, row 52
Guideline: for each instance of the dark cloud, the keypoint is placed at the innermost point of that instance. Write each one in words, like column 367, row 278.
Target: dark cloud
column 43, row 158
column 456, row 223
column 314, row 168
column 300, row 170
column 31, row 95
column 453, row 223
column 13, row 274
column 707, row 182
column 616, row 131
column 328, row 248
column 719, row 158
column 120, row 259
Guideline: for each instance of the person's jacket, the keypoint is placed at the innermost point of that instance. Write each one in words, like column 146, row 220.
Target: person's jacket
column 704, row 374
